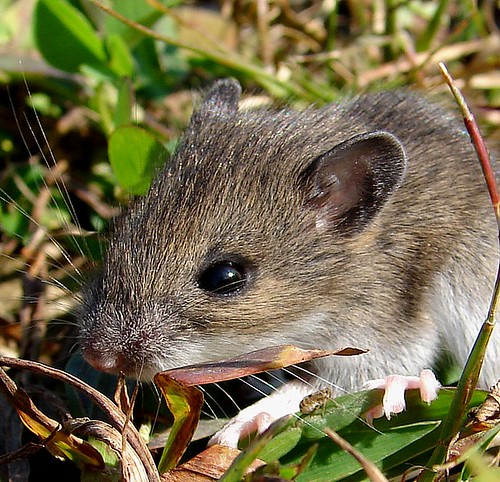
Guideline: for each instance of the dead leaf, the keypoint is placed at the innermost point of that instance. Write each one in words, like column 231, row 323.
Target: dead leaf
column 185, row 401
column 210, row 465
column 51, row 433
column 251, row 363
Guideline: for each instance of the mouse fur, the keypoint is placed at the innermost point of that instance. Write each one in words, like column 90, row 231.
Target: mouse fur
column 365, row 223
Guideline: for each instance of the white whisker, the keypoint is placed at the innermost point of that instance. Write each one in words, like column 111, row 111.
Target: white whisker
column 57, row 177
column 311, row 375
column 211, row 412
column 48, row 236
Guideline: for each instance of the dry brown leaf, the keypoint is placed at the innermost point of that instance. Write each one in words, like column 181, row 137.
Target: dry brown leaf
column 482, row 419
column 57, row 441
column 251, row 363
column 210, row 465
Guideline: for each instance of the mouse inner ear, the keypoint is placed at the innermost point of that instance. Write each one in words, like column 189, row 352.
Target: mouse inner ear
column 348, row 185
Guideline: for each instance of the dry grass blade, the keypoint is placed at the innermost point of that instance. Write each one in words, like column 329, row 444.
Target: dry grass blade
column 251, row 363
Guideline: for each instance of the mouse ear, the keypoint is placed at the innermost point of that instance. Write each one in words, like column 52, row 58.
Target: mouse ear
column 222, row 98
column 348, row 185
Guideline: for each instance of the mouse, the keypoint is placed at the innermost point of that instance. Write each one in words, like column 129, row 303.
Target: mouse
column 363, row 223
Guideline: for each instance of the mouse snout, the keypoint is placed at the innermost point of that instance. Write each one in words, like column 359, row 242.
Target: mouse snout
column 105, row 362
column 132, row 342
column 113, row 358
column 123, row 349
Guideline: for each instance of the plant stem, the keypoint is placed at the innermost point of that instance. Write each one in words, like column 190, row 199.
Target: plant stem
column 470, row 375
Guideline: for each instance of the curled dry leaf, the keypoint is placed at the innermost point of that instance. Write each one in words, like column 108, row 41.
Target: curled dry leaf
column 67, row 445
column 121, row 397
column 185, row 400
column 482, row 419
column 57, row 441
column 487, row 415
column 185, row 405
column 132, row 468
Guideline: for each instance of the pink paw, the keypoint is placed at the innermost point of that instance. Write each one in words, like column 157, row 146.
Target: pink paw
column 395, row 387
column 238, row 428
column 258, row 417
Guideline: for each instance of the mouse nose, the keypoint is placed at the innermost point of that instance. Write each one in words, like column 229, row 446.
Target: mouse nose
column 110, row 361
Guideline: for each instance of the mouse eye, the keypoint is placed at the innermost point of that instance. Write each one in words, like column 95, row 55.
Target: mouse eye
column 223, row 278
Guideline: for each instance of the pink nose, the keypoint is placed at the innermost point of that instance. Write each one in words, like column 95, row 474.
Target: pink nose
column 109, row 362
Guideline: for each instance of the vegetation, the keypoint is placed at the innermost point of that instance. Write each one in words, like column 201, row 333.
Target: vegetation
column 95, row 94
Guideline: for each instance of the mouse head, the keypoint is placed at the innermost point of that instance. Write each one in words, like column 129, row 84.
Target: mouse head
column 235, row 246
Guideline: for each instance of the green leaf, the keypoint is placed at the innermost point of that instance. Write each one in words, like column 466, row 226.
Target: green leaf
column 15, row 207
column 140, row 12
column 389, row 443
column 332, row 463
column 134, row 155
column 121, row 62
column 65, row 37
column 13, row 222
column 122, row 113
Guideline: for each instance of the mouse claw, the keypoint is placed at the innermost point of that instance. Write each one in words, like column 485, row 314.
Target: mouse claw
column 395, row 387
column 375, row 412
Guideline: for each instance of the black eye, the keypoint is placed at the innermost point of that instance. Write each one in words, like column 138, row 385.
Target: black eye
column 223, row 277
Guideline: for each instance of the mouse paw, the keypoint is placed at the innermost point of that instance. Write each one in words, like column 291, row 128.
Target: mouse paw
column 242, row 425
column 395, row 387
column 258, row 417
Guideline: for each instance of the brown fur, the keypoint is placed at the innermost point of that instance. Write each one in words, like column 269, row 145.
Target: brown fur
column 378, row 270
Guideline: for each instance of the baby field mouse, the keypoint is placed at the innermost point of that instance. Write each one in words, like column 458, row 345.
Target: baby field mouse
column 362, row 224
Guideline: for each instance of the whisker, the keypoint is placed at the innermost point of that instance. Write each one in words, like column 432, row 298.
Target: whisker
column 74, row 231
column 212, row 413
column 58, row 181
column 257, row 389
column 51, row 280
column 63, row 322
column 311, row 375
column 295, row 415
column 158, row 396
column 39, row 226
column 230, row 398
